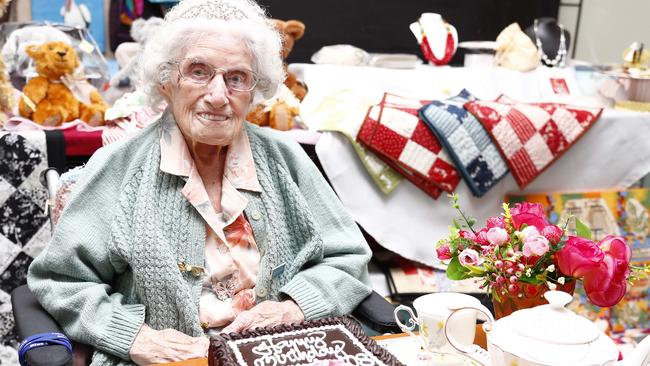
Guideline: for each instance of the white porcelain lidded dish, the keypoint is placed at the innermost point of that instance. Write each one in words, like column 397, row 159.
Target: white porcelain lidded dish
column 548, row 335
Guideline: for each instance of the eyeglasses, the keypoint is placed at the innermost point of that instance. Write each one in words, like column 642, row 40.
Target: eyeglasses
column 202, row 73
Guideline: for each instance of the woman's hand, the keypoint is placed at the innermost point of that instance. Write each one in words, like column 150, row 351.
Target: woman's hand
column 158, row 346
column 267, row 313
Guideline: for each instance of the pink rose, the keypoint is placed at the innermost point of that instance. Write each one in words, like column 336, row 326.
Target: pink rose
column 481, row 237
column 617, row 247
column 528, row 232
column 535, row 246
column 531, row 214
column 578, row 256
column 467, row 235
column 469, row 257
column 553, row 233
column 497, row 236
column 496, row 222
column 443, row 252
column 606, row 284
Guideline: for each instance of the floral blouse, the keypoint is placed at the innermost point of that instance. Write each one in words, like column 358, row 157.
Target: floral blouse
column 232, row 256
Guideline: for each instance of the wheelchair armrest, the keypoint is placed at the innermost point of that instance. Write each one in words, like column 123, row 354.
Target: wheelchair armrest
column 31, row 319
column 377, row 313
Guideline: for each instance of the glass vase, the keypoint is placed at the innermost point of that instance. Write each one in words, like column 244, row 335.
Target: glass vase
column 530, row 296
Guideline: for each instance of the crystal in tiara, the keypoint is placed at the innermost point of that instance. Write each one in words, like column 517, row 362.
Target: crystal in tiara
column 213, row 9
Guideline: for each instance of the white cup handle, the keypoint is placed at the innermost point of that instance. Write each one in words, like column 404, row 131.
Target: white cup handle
column 473, row 351
column 413, row 321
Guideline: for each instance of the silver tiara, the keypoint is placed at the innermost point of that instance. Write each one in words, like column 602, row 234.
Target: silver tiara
column 214, row 9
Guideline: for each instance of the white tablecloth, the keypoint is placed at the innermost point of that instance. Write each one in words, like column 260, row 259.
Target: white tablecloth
column 615, row 153
column 428, row 82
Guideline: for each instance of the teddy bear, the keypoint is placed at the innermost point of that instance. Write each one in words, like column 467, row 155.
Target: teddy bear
column 6, row 89
column 279, row 111
column 291, row 31
column 57, row 95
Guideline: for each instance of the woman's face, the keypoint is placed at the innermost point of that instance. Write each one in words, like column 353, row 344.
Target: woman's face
column 210, row 114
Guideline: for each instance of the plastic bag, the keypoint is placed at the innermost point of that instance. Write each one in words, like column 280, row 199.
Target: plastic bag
column 15, row 37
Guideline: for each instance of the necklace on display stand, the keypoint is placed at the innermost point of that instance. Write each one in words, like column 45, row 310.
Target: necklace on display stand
column 560, row 57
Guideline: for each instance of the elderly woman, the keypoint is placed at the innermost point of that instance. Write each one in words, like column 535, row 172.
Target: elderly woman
column 202, row 222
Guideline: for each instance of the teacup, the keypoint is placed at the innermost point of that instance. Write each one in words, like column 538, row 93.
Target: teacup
column 432, row 310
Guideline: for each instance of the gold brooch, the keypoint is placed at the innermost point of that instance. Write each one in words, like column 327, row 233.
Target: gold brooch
column 196, row 271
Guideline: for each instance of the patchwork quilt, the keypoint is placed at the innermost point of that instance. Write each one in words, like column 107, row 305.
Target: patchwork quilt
column 468, row 144
column 394, row 131
column 531, row 136
column 24, row 225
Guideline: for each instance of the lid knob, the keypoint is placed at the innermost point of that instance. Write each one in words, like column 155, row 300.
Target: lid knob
column 558, row 299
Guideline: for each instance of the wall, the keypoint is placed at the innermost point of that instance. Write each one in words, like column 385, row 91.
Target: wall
column 382, row 26
column 607, row 27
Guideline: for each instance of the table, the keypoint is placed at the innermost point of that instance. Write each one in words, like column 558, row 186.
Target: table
column 615, row 153
column 192, row 362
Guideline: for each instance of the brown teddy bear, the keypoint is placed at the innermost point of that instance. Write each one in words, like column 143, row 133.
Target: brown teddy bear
column 291, row 31
column 279, row 111
column 6, row 89
column 56, row 95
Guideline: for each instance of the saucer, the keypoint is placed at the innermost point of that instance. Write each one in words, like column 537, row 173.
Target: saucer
column 409, row 352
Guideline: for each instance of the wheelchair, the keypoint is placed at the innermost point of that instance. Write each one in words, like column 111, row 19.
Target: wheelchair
column 374, row 313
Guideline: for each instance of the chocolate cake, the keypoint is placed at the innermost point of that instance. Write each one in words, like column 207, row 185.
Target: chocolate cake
column 339, row 339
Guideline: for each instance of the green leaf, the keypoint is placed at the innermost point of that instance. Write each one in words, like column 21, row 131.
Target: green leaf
column 454, row 201
column 471, row 221
column 453, row 232
column 496, row 296
column 582, row 230
column 531, row 280
column 457, row 223
column 456, row 271
column 476, row 271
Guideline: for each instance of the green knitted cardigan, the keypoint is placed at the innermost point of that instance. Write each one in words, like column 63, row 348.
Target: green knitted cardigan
column 113, row 260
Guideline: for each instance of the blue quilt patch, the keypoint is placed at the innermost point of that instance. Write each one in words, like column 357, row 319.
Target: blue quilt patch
column 466, row 141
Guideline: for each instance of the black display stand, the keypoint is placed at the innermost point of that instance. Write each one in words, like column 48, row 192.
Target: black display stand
column 549, row 36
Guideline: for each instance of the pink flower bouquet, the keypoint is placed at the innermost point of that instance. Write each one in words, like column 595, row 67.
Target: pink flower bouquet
column 521, row 248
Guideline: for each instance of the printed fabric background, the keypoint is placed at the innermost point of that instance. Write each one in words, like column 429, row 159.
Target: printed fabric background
column 24, row 225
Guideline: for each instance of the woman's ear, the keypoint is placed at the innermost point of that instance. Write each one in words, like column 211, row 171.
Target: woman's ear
column 164, row 90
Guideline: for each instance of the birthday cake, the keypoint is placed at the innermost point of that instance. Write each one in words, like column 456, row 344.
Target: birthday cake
column 332, row 341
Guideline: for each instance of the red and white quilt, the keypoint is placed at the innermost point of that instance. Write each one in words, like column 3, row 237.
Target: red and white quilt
column 395, row 132
column 531, row 136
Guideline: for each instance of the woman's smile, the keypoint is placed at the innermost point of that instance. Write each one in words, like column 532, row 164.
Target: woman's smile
column 209, row 118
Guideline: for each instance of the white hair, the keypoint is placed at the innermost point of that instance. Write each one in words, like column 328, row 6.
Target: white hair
column 194, row 20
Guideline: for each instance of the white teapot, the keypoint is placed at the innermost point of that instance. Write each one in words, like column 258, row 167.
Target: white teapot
column 546, row 335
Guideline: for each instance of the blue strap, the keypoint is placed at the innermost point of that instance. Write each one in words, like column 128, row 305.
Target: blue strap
column 40, row 340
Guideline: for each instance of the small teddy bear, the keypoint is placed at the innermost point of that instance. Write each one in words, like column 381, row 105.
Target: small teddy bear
column 279, row 111
column 6, row 89
column 291, row 31
column 57, row 95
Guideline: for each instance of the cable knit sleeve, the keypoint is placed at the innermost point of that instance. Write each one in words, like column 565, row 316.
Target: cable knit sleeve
column 73, row 277
column 335, row 280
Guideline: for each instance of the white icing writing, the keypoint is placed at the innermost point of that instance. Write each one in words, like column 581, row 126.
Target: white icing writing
column 305, row 350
